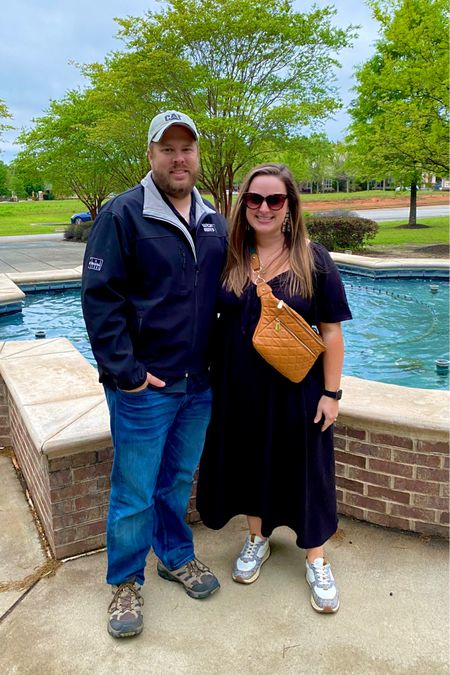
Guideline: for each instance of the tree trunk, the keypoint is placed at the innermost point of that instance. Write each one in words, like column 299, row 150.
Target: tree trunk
column 413, row 205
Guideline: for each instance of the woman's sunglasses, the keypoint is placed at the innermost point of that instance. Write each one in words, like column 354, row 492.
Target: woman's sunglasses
column 253, row 200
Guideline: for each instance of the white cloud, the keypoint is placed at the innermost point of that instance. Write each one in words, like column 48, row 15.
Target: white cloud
column 39, row 39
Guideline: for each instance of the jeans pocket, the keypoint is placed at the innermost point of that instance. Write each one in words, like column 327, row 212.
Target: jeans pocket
column 132, row 394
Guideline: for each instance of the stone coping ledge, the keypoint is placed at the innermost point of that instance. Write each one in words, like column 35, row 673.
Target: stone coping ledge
column 45, row 276
column 391, row 263
column 63, row 406
column 9, row 291
column 396, row 408
column 57, row 393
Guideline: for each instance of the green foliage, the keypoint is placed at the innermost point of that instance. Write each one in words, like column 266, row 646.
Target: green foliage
column 400, row 121
column 61, row 150
column 78, row 231
column 4, row 191
column 341, row 231
column 4, row 114
column 24, row 178
column 246, row 72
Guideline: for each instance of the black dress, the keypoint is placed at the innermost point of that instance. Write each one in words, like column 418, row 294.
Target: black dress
column 263, row 455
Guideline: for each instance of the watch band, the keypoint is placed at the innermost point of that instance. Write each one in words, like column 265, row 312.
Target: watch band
column 337, row 395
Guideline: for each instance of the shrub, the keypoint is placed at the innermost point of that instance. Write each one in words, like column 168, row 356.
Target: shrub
column 78, row 231
column 339, row 230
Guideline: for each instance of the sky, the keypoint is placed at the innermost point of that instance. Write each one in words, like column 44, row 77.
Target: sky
column 40, row 39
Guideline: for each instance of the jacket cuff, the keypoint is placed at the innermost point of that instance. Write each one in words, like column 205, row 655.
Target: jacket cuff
column 132, row 380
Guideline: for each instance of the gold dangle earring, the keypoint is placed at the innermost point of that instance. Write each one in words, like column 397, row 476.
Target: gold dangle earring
column 286, row 227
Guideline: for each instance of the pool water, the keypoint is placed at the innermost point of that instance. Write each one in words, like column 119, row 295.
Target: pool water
column 399, row 328
column 398, row 331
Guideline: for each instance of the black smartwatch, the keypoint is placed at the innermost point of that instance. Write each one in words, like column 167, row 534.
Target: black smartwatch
column 337, row 395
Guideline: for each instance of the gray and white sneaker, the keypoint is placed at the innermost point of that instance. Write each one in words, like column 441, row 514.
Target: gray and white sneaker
column 198, row 580
column 247, row 566
column 324, row 594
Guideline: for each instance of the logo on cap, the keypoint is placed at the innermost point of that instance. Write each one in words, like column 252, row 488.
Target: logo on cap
column 164, row 120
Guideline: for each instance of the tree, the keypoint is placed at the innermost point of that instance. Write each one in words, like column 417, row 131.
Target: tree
column 61, row 151
column 3, row 179
column 246, row 72
column 4, row 114
column 309, row 158
column 24, row 178
column 400, row 121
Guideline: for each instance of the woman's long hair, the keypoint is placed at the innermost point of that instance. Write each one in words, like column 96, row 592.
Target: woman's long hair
column 299, row 280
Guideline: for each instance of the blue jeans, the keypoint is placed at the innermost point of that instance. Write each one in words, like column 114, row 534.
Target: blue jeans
column 158, row 440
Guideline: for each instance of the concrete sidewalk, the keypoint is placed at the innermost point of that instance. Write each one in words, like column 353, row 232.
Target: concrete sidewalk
column 40, row 252
column 393, row 616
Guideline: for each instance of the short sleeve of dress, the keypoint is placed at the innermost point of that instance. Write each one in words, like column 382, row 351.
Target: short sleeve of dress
column 330, row 298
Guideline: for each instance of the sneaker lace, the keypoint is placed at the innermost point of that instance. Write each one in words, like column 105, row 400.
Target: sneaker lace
column 126, row 598
column 323, row 575
column 196, row 568
column 249, row 550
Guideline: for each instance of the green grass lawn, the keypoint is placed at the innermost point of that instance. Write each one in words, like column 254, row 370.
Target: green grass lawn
column 37, row 217
column 347, row 196
column 391, row 234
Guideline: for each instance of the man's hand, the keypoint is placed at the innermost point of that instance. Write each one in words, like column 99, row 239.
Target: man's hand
column 151, row 379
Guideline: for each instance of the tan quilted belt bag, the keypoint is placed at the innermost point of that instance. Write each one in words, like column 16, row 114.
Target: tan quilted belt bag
column 283, row 338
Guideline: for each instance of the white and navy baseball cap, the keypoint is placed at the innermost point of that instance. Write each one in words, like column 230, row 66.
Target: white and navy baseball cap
column 160, row 123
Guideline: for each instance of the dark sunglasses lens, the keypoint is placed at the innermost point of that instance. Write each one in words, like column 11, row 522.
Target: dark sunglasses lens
column 275, row 202
column 253, row 200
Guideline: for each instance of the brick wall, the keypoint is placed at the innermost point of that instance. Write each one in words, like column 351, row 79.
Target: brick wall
column 192, row 515
column 70, row 493
column 5, row 428
column 34, row 468
column 79, row 494
column 394, row 481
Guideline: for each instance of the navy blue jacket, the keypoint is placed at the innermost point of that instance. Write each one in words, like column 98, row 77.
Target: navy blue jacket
column 149, row 288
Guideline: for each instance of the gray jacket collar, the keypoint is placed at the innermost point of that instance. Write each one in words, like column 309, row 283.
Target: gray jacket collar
column 156, row 207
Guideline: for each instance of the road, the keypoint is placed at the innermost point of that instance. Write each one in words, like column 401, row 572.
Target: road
column 403, row 213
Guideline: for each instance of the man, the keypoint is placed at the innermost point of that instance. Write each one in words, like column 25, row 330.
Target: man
column 151, row 274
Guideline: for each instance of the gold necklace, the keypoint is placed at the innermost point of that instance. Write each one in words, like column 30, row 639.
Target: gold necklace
column 265, row 266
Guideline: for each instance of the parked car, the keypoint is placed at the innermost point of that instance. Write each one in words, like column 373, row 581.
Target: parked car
column 82, row 217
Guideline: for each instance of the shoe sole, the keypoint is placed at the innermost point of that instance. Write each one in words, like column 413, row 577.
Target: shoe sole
column 197, row 595
column 322, row 610
column 119, row 634
column 251, row 580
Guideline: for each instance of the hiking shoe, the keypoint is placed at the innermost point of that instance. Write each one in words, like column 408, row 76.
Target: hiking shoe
column 197, row 579
column 125, row 613
column 324, row 594
column 247, row 565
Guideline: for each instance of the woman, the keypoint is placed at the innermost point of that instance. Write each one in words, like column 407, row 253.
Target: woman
column 269, row 447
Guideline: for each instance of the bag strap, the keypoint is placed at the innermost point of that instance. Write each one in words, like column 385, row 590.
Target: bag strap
column 254, row 260
column 262, row 287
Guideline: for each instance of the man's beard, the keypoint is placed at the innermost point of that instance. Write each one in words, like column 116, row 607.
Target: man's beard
column 170, row 188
